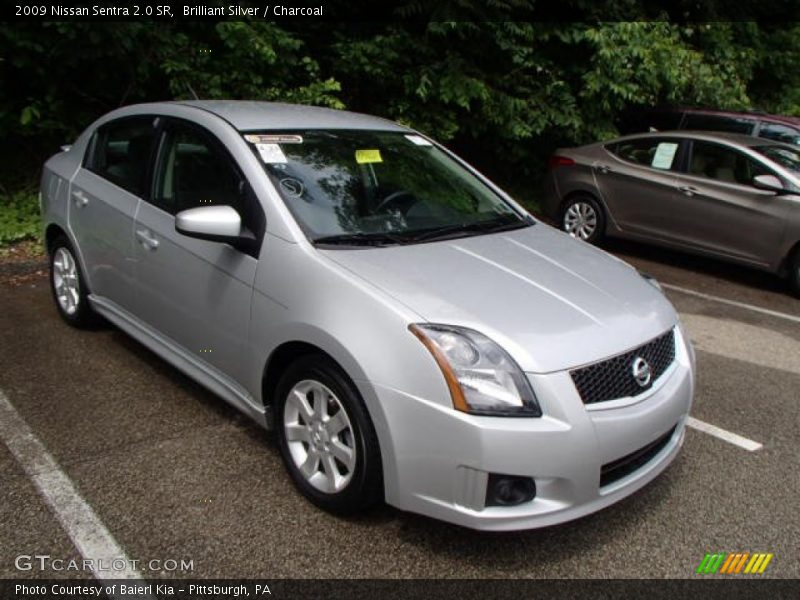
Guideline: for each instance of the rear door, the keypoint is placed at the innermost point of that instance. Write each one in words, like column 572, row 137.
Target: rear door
column 719, row 210
column 196, row 292
column 637, row 181
column 104, row 196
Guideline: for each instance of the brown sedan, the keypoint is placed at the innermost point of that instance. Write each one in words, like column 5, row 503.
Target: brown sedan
column 729, row 196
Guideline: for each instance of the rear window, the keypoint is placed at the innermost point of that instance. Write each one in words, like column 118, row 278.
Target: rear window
column 121, row 152
column 705, row 122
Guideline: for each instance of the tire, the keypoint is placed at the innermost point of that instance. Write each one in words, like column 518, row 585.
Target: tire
column 315, row 450
column 67, row 284
column 793, row 265
column 582, row 217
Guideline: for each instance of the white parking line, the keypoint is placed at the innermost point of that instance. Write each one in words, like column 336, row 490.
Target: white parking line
column 765, row 347
column 83, row 526
column 751, row 307
column 718, row 432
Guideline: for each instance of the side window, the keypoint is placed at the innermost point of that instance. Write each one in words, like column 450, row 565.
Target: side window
column 703, row 122
column 195, row 170
column 649, row 152
column 780, row 133
column 723, row 164
column 121, row 152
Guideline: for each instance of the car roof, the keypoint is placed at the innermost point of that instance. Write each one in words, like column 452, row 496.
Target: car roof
column 711, row 136
column 247, row 115
column 747, row 114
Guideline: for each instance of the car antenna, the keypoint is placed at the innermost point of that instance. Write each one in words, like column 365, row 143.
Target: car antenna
column 194, row 94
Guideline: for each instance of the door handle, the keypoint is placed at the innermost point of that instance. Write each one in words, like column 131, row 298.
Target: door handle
column 148, row 242
column 604, row 169
column 687, row 190
column 80, row 198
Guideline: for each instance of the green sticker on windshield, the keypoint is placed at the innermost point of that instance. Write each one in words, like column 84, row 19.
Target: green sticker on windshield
column 368, row 156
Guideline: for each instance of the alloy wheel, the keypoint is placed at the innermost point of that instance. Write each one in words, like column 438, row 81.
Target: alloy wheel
column 65, row 281
column 319, row 436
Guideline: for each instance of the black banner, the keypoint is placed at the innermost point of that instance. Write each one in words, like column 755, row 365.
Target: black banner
column 732, row 588
column 398, row 10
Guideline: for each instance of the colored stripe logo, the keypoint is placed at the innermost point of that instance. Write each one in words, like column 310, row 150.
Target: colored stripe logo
column 734, row 563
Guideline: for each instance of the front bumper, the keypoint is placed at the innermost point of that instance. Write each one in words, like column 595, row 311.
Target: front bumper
column 442, row 458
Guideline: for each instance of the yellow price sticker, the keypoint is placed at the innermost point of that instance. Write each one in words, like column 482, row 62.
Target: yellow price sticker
column 368, row 156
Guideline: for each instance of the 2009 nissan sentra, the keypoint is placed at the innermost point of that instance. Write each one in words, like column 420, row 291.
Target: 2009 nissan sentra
column 410, row 332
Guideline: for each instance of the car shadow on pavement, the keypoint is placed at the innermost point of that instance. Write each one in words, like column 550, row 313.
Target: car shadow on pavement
column 701, row 265
column 203, row 396
column 549, row 551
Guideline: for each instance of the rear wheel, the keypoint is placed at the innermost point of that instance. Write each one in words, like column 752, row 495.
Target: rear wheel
column 582, row 217
column 68, row 287
column 326, row 438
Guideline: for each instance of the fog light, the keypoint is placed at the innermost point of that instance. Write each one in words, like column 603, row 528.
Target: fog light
column 509, row 490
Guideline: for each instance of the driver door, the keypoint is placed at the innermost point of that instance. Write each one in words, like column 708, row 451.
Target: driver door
column 196, row 292
column 717, row 208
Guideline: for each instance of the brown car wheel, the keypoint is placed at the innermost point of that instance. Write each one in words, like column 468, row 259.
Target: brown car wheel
column 583, row 218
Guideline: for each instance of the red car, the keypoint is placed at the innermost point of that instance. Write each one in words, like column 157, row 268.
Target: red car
column 773, row 127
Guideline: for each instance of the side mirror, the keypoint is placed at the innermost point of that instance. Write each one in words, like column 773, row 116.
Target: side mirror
column 215, row 224
column 769, row 183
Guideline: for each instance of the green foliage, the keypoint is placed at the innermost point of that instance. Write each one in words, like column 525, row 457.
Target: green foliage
column 254, row 61
column 19, row 216
column 504, row 92
column 519, row 80
column 643, row 63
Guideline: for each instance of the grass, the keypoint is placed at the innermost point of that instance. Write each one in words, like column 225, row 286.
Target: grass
column 19, row 215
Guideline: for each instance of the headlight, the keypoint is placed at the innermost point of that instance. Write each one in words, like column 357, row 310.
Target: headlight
column 651, row 280
column 482, row 377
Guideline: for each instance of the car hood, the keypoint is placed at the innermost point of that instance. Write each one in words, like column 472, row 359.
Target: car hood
column 551, row 301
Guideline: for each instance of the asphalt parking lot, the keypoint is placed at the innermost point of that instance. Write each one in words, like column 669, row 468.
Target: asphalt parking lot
column 172, row 472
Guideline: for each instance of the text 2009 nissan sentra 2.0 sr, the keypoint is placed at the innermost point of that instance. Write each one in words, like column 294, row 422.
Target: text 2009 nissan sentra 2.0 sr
column 408, row 330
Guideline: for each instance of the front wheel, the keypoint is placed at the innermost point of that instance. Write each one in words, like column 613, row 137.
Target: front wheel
column 582, row 217
column 326, row 438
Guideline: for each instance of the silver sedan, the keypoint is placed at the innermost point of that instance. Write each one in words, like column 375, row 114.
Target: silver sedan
column 406, row 328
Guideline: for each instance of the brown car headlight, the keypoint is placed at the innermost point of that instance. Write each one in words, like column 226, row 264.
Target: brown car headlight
column 483, row 379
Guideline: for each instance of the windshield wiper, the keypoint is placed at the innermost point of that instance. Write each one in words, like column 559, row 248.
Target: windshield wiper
column 490, row 226
column 362, row 239
column 384, row 238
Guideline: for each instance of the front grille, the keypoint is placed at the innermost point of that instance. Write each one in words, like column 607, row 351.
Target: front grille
column 613, row 378
column 622, row 467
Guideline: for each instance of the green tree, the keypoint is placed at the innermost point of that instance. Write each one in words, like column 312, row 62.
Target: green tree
column 506, row 92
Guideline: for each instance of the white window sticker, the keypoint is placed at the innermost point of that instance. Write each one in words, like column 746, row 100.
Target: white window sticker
column 279, row 138
column 271, row 153
column 665, row 154
column 418, row 140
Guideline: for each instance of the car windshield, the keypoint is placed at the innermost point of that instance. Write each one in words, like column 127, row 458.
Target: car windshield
column 378, row 188
column 788, row 158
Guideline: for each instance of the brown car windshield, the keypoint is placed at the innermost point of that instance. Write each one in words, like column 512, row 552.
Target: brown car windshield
column 785, row 157
column 379, row 187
